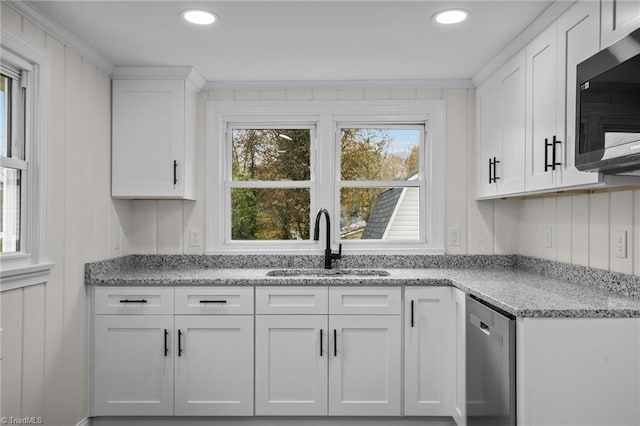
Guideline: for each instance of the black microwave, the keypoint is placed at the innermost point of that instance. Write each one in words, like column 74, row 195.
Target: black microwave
column 608, row 109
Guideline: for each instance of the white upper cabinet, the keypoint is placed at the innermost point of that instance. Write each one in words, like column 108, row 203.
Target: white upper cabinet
column 511, row 125
column 619, row 18
column 500, row 126
column 578, row 39
column 153, row 132
column 542, row 138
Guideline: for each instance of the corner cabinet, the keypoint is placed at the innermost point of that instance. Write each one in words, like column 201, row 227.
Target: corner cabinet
column 153, row 132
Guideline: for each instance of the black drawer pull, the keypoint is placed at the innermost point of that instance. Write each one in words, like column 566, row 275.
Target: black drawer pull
column 335, row 342
column 321, row 342
column 213, row 301
column 175, row 172
column 134, row 301
column 166, row 347
column 179, row 342
column 412, row 323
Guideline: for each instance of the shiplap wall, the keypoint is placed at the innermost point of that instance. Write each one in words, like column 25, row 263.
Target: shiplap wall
column 162, row 227
column 583, row 229
column 43, row 362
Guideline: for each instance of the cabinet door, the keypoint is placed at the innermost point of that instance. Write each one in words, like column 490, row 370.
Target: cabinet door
column 364, row 366
column 487, row 145
column 214, row 365
column 133, row 365
column 578, row 39
column 428, row 351
column 511, row 125
column 542, row 104
column 148, row 136
column 291, row 364
column 619, row 18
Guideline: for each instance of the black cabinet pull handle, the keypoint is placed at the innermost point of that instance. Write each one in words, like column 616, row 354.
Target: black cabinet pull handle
column 335, row 342
column 213, row 301
column 179, row 342
column 133, row 301
column 490, row 167
column 553, row 153
column 175, row 172
column 412, row 323
column 495, row 174
column 321, row 351
column 546, row 154
column 166, row 346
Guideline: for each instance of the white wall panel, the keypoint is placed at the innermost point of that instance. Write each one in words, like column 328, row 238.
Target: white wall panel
column 621, row 211
column 44, row 347
column 599, row 231
column 580, row 230
column 636, row 233
column 170, row 228
column 550, row 229
column 563, row 229
column 506, row 227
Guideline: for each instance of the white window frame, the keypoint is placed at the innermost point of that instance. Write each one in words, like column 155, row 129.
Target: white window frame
column 32, row 264
column 230, row 184
column 327, row 116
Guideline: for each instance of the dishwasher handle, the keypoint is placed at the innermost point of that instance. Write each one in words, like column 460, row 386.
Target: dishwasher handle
column 485, row 328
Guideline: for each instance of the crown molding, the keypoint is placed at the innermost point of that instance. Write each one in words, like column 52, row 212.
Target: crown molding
column 339, row 84
column 56, row 30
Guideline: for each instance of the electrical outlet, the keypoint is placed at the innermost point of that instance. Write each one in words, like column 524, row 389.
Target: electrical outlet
column 621, row 243
column 454, row 236
column 548, row 237
column 195, row 238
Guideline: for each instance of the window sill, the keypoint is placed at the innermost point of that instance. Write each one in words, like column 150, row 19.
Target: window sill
column 24, row 276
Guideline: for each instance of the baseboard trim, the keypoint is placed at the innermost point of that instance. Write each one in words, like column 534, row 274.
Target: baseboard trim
column 272, row 421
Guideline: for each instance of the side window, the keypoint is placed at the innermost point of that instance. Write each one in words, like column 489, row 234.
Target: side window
column 381, row 183
column 269, row 188
column 13, row 164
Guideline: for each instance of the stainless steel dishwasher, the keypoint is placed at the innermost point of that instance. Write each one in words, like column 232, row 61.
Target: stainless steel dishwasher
column 491, row 362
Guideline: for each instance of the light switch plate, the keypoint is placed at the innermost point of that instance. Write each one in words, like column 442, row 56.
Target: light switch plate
column 621, row 243
column 548, row 237
column 454, row 236
column 195, row 238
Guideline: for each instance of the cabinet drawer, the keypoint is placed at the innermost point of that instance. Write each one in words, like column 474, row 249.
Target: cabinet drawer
column 214, row 300
column 291, row 300
column 365, row 300
column 134, row 300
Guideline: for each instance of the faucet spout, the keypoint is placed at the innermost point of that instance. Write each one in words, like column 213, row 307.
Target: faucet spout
column 328, row 254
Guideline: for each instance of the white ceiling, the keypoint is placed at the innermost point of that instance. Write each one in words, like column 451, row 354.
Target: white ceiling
column 300, row 40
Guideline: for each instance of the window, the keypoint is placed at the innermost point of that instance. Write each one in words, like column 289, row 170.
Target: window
column 24, row 181
column 270, row 183
column 381, row 182
column 13, row 167
column 377, row 167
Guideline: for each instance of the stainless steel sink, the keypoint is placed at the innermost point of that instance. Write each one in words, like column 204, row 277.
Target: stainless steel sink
column 327, row 273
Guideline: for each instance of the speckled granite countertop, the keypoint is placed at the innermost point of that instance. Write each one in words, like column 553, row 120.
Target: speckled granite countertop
column 523, row 287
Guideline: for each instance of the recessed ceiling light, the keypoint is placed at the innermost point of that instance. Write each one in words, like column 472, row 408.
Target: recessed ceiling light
column 451, row 16
column 199, row 17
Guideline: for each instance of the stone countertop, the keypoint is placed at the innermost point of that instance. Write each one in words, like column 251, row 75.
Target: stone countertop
column 516, row 291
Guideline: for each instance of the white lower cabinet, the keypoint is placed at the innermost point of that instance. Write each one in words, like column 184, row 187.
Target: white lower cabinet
column 428, row 351
column 155, row 363
column 214, row 365
column 133, row 365
column 364, row 366
column 319, row 364
column 291, row 364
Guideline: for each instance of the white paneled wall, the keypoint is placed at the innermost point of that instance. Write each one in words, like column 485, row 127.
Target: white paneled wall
column 583, row 229
column 44, row 346
column 162, row 227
